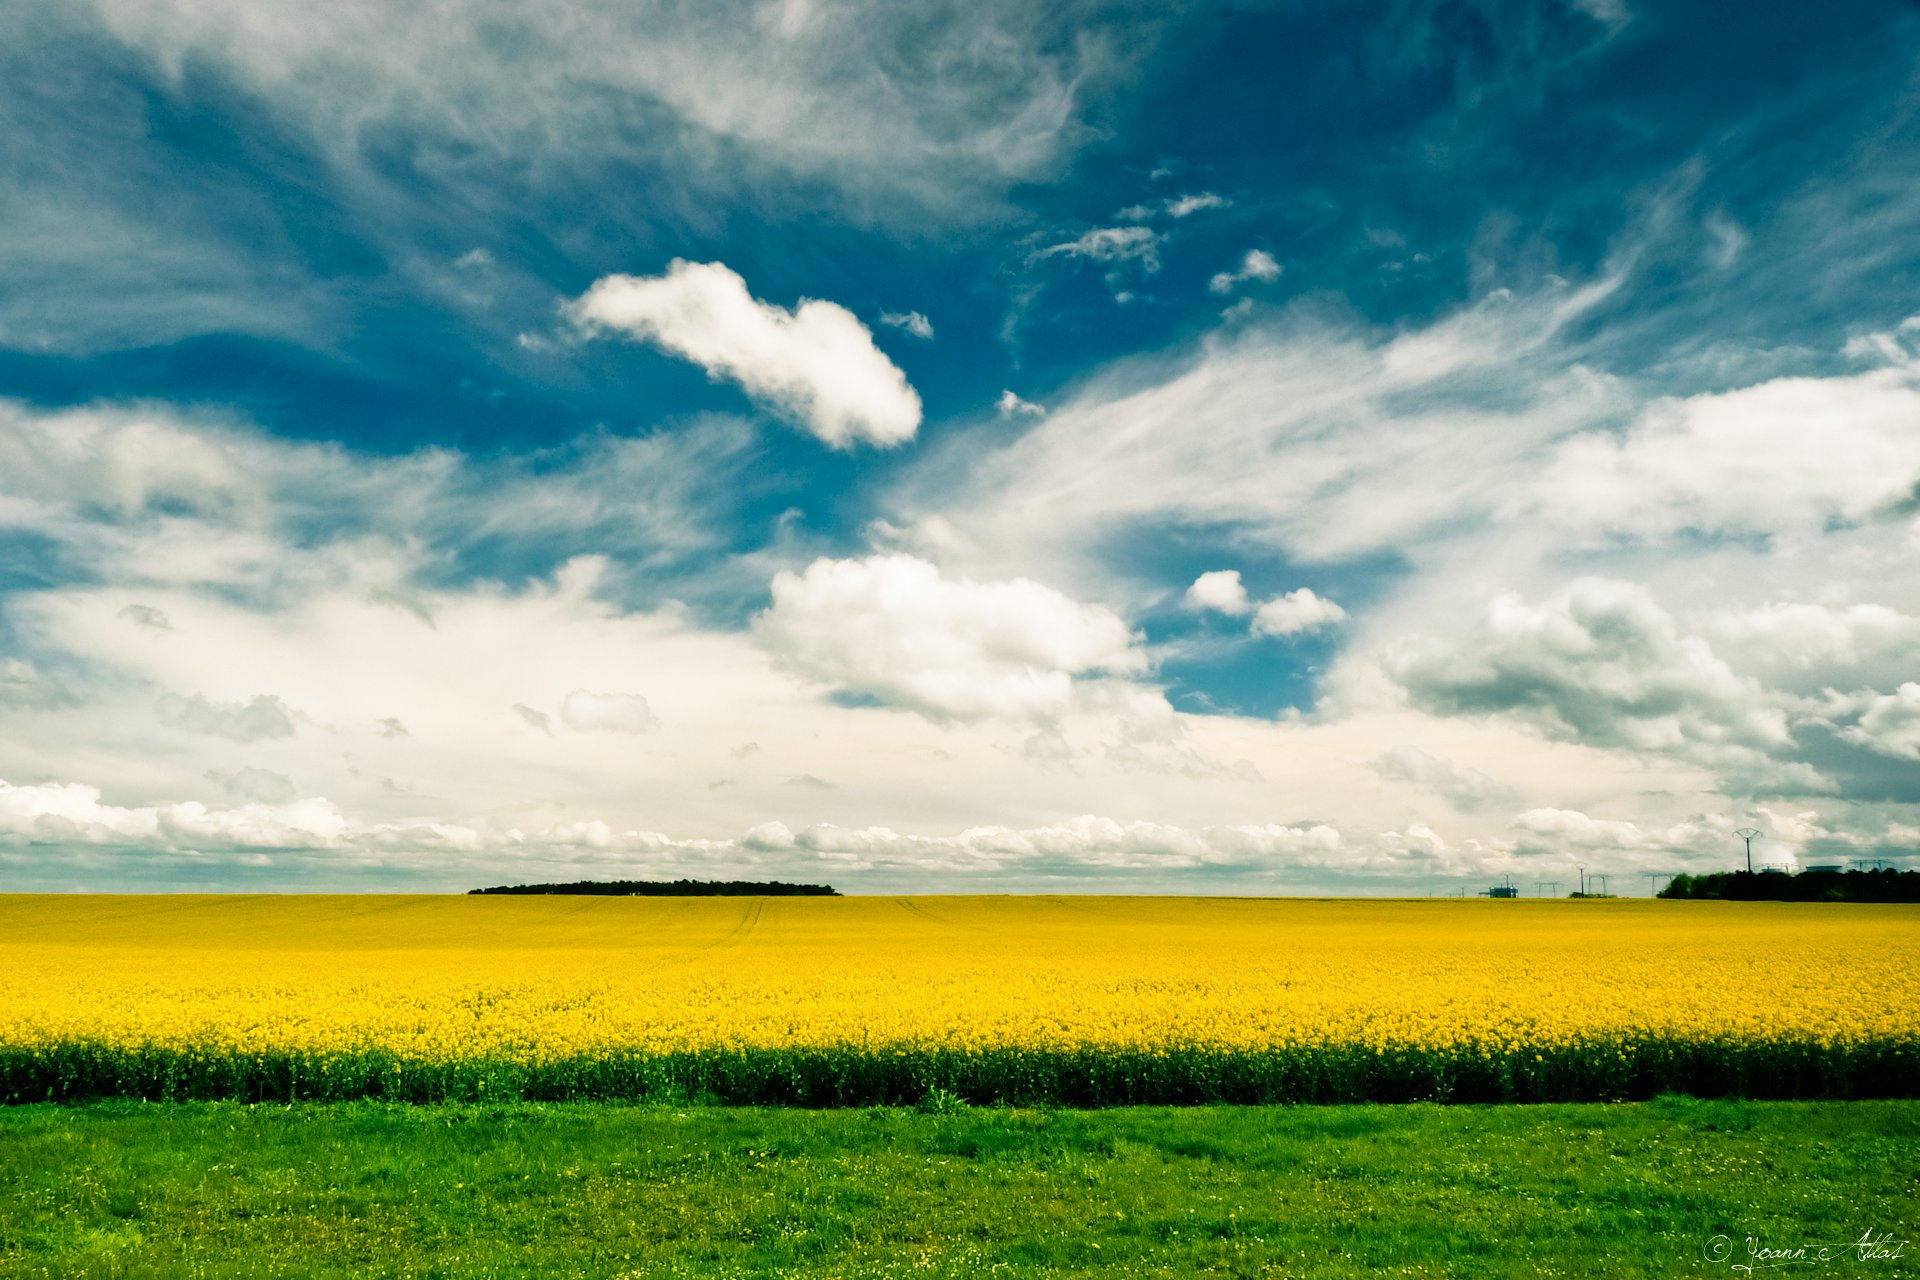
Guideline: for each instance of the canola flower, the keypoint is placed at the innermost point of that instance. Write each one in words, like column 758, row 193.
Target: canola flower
column 839, row 998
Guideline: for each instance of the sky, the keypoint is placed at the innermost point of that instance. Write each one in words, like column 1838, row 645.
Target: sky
column 1340, row 448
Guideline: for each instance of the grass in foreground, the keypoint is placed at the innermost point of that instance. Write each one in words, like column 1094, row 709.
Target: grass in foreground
column 363, row 1189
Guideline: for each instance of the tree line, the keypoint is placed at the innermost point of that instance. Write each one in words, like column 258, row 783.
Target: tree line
column 1884, row 885
column 673, row 889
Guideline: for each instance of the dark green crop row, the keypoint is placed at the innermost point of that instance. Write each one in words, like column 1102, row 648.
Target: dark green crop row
column 1088, row 1077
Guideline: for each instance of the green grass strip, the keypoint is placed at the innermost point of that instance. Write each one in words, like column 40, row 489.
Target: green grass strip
column 137, row 1191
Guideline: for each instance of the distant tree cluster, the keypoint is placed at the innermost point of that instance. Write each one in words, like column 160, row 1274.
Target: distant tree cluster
column 674, row 889
column 1807, row 886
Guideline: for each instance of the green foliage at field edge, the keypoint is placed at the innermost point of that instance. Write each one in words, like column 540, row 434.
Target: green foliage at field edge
column 464, row 1192
column 1880, row 885
column 1093, row 1076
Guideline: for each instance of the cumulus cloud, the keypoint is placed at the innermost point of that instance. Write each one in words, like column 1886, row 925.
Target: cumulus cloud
column 1568, row 835
column 259, row 717
column 893, row 628
column 1789, row 456
column 1086, row 841
column 912, row 321
column 1467, row 790
column 1419, row 841
column 1258, row 264
column 816, row 364
column 1800, row 636
column 1296, row 612
column 1890, row 723
column 1220, row 590
column 74, row 814
column 589, row 712
column 1599, row 662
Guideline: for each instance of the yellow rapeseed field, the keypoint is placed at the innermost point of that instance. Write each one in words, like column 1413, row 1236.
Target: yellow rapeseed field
column 543, row 978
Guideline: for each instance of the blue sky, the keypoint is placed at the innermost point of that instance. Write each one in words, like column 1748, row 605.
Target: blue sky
column 1370, row 448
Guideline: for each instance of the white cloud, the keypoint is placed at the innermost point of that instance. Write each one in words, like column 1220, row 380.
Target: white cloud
column 1808, row 649
column 1258, row 264
column 1613, row 847
column 1181, row 206
column 73, row 814
column 939, row 107
column 1805, row 636
column 1296, row 612
column 146, row 616
column 91, row 265
column 1730, row 239
column 263, row 786
column 912, row 321
column 589, row 712
column 1544, row 842
column 1418, row 841
column 1086, row 841
column 259, row 717
column 1321, row 442
column 1113, row 244
column 891, row 627
column 117, row 465
column 1219, row 589
column 1465, row 789
column 1598, row 662
column 1175, row 206
column 769, row 836
column 143, row 496
column 816, row 364
column 23, row 685
column 68, row 814
column 1789, row 456
column 1890, row 723
column 1011, row 405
